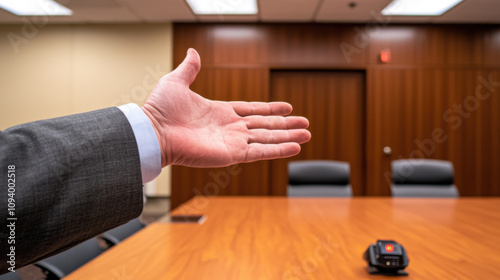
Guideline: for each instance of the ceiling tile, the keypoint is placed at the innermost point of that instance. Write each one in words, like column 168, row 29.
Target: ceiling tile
column 125, row 11
column 341, row 11
column 103, row 15
column 473, row 11
column 161, row 10
column 228, row 18
column 287, row 10
column 406, row 19
column 6, row 17
column 84, row 11
column 71, row 19
column 75, row 4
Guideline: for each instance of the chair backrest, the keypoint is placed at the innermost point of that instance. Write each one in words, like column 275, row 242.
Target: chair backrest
column 10, row 276
column 319, row 178
column 118, row 234
column 62, row 264
column 423, row 178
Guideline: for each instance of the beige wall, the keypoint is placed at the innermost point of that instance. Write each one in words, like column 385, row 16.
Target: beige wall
column 57, row 70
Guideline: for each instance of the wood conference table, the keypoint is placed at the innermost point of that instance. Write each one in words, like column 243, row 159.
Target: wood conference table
column 309, row 238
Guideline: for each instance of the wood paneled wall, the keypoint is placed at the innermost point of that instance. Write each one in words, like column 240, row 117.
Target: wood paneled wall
column 333, row 102
column 438, row 98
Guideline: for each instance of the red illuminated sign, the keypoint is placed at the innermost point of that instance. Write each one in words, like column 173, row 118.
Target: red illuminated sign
column 385, row 56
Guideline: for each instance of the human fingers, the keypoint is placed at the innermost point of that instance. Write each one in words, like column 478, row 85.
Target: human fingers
column 266, row 136
column 261, row 108
column 276, row 122
column 257, row 151
column 186, row 72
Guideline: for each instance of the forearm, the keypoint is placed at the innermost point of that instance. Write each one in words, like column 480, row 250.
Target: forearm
column 76, row 177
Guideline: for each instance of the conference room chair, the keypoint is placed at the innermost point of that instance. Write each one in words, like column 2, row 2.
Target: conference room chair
column 423, row 178
column 118, row 234
column 10, row 276
column 62, row 264
column 319, row 178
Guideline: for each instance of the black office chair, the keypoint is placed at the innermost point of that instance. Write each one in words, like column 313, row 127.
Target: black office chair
column 319, row 178
column 62, row 264
column 423, row 178
column 118, row 234
column 10, row 276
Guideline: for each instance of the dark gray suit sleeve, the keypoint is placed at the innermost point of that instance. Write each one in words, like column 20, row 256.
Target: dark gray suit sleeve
column 75, row 177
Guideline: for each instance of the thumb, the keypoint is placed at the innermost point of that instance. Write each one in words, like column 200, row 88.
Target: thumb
column 186, row 71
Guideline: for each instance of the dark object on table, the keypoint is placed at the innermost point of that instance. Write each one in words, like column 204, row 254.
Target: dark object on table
column 386, row 257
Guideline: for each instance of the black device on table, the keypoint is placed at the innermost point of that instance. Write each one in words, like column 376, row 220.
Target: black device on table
column 386, row 257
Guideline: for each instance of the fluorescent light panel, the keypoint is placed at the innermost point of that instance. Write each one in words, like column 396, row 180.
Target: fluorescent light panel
column 223, row 7
column 419, row 7
column 35, row 8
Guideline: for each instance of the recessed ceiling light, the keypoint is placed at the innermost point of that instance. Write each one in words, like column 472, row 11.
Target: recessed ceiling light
column 419, row 8
column 223, row 7
column 35, row 8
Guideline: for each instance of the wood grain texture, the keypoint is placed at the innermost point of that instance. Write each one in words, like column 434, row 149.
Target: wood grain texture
column 491, row 46
column 271, row 44
column 333, row 102
column 429, row 45
column 282, row 238
column 435, row 113
column 315, row 45
column 193, row 36
column 433, row 68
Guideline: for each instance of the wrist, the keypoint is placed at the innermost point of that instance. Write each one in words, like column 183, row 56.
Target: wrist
column 151, row 113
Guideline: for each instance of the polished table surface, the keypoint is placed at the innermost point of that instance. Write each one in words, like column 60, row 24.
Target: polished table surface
column 310, row 238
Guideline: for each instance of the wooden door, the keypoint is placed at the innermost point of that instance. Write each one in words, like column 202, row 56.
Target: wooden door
column 435, row 113
column 334, row 103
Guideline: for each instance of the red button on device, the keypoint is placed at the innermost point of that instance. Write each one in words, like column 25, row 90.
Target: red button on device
column 389, row 248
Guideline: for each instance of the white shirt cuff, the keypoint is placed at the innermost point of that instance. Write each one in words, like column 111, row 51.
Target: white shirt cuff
column 147, row 143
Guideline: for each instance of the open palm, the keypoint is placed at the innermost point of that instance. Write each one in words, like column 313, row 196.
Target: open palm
column 195, row 131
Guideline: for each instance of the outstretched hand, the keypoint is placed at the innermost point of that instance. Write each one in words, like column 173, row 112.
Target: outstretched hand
column 194, row 131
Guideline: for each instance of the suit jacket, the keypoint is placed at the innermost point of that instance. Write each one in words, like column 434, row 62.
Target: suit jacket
column 75, row 177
